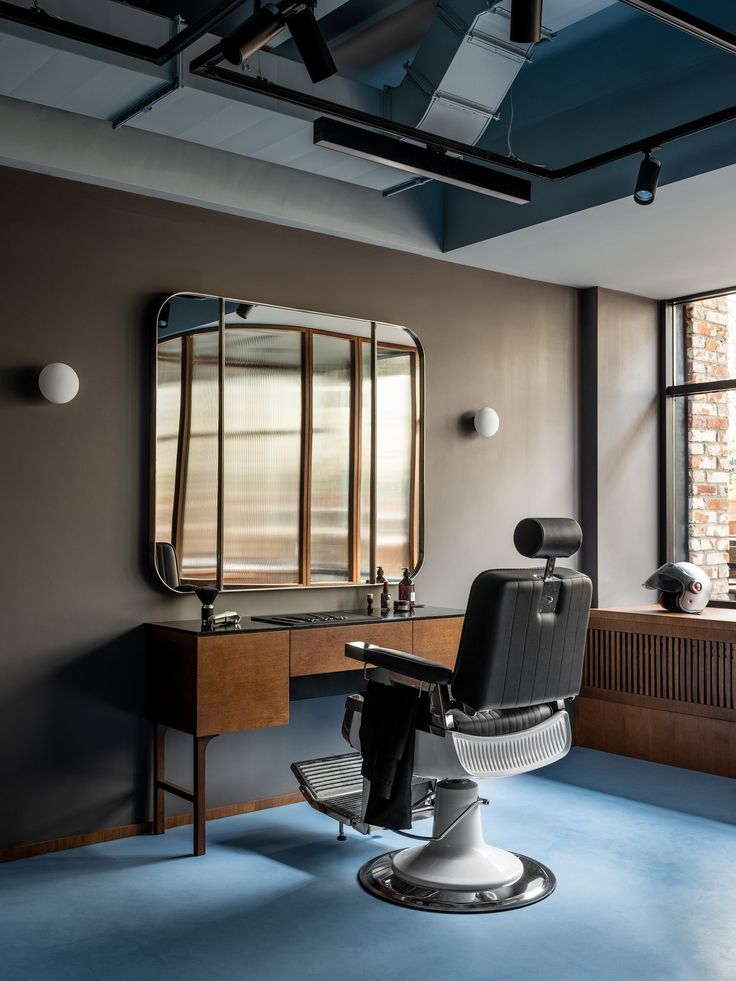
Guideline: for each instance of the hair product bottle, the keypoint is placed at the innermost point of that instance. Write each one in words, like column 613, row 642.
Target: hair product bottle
column 406, row 590
column 385, row 599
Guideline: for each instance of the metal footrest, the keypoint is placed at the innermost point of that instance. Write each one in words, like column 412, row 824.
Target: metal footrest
column 334, row 786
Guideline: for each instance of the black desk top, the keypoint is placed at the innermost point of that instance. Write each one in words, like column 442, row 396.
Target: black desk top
column 248, row 625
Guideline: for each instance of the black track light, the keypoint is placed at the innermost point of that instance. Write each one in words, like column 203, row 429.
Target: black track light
column 646, row 182
column 311, row 45
column 253, row 34
column 526, row 21
column 270, row 20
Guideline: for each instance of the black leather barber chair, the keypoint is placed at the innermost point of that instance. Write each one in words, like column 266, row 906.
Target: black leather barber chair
column 500, row 712
column 167, row 564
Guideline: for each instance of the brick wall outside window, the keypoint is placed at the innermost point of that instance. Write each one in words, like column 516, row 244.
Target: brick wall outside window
column 710, row 341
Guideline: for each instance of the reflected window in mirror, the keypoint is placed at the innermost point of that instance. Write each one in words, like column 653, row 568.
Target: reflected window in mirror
column 265, row 448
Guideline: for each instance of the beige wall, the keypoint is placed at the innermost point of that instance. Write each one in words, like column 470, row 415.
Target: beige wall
column 82, row 270
column 627, row 447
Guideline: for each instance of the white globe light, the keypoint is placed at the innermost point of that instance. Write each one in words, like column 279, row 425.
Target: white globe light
column 486, row 422
column 58, row 383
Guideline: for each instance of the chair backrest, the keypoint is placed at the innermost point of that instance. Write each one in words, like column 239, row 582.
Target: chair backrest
column 167, row 564
column 523, row 639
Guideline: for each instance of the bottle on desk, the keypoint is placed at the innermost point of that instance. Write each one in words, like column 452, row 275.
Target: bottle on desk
column 407, row 592
column 385, row 599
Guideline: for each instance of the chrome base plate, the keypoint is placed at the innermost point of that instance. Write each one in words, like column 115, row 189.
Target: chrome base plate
column 378, row 878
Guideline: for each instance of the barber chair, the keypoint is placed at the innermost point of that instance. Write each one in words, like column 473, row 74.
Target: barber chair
column 499, row 712
column 167, row 564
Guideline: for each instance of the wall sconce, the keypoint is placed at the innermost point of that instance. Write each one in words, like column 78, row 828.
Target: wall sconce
column 58, row 383
column 486, row 422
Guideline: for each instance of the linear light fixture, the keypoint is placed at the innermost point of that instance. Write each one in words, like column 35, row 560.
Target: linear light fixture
column 419, row 160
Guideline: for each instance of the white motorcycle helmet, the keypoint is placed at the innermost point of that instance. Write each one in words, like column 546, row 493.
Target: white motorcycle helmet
column 682, row 587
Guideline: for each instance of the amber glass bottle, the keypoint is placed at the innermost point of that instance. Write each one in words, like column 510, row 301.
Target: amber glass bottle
column 406, row 589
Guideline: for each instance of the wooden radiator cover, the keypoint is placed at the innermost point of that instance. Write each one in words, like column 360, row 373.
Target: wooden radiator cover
column 676, row 669
column 661, row 687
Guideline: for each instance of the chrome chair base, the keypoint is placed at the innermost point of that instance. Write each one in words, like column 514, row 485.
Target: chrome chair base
column 379, row 878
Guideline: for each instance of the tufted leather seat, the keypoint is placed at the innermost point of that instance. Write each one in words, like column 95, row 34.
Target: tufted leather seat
column 500, row 722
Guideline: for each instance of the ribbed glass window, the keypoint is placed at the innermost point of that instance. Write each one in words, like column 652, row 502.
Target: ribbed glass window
column 262, row 455
column 394, row 460
column 332, row 386
column 366, row 573
column 198, row 559
column 396, row 427
column 168, row 412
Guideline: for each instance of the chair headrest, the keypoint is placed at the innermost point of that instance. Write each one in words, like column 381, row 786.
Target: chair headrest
column 548, row 538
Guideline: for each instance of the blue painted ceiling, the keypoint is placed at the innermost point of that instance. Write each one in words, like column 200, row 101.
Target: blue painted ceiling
column 612, row 78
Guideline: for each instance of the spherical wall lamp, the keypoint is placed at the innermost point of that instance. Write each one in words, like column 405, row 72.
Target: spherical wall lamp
column 58, row 383
column 486, row 422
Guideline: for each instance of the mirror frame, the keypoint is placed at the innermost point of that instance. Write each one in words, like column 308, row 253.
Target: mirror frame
column 421, row 406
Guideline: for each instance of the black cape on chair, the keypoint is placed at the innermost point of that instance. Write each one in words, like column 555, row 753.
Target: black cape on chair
column 387, row 745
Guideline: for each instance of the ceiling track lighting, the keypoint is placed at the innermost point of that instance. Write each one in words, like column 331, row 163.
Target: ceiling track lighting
column 207, row 65
column 648, row 179
column 682, row 20
column 418, row 160
column 264, row 25
column 526, row 21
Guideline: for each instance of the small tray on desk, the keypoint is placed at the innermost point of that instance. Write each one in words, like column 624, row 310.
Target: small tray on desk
column 310, row 619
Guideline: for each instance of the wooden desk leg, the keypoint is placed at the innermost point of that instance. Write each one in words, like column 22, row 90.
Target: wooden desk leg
column 200, row 802
column 159, row 770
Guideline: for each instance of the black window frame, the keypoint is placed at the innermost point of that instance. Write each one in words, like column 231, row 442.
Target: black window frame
column 672, row 423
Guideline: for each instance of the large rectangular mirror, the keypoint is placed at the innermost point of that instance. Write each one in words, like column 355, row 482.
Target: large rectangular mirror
column 287, row 447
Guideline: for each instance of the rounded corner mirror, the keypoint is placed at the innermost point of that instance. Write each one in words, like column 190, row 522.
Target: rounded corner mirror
column 288, row 447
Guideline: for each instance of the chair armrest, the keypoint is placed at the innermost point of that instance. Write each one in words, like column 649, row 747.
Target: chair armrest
column 409, row 664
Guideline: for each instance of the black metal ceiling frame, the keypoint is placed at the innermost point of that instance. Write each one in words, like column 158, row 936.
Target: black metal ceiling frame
column 208, row 65
column 35, row 17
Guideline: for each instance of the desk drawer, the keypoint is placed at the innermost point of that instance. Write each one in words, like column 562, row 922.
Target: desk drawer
column 438, row 640
column 242, row 682
column 320, row 650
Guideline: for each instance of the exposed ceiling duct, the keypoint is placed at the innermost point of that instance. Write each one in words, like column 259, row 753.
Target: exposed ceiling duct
column 466, row 65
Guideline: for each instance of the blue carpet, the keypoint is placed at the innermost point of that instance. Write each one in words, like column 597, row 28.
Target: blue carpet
column 646, row 890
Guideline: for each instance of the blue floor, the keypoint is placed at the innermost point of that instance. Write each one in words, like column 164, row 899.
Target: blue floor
column 646, row 890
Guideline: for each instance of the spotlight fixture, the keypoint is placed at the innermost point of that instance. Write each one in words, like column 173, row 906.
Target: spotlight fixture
column 263, row 26
column 526, row 21
column 311, row 44
column 646, row 182
column 402, row 155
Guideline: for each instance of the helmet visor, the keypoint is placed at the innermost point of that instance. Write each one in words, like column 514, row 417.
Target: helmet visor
column 669, row 579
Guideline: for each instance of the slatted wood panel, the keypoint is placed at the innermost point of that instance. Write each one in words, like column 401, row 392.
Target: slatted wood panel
column 678, row 669
column 660, row 687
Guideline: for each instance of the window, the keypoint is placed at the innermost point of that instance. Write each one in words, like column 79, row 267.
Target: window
column 264, row 446
column 700, row 415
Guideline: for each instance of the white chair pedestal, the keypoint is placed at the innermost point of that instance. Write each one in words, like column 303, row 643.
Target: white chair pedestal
column 456, row 871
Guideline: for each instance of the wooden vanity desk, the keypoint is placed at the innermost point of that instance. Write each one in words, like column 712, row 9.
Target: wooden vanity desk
column 206, row 684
